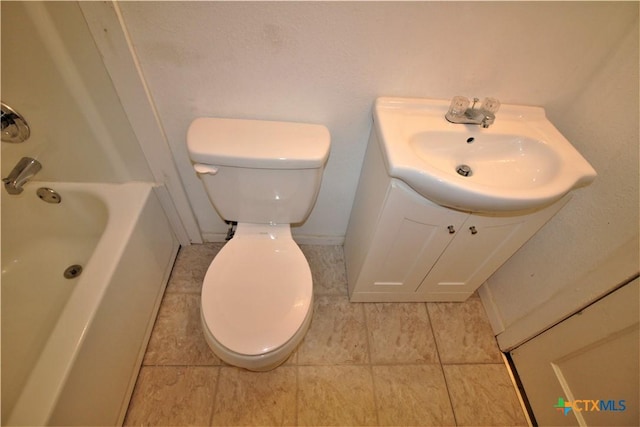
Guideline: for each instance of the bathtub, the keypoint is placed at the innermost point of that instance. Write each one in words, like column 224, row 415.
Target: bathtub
column 72, row 347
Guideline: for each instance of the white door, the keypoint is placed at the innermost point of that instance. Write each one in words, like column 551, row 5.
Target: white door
column 584, row 371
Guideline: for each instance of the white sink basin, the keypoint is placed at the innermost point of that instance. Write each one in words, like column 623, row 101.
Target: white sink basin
column 521, row 162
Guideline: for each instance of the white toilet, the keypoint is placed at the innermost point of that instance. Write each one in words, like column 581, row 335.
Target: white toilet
column 257, row 297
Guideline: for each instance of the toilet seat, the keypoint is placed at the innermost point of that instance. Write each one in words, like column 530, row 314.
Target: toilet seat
column 257, row 293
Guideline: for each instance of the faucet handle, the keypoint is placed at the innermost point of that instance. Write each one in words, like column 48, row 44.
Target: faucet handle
column 459, row 105
column 491, row 105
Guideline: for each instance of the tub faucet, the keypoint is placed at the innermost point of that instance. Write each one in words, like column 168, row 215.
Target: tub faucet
column 459, row 111
column 21, row 173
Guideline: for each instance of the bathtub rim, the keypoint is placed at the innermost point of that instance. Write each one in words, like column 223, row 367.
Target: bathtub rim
column 44, row 385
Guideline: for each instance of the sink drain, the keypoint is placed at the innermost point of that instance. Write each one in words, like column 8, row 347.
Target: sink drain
column 463, row 170
column 73, row 271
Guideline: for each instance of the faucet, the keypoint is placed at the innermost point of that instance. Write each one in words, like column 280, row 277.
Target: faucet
column 459, row 111
column 21, row 173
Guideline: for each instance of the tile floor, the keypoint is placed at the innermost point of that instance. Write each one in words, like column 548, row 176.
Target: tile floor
column 359, row 364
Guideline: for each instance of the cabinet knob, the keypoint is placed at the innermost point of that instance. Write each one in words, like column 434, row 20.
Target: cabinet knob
column 452, row 229
column 473, row 229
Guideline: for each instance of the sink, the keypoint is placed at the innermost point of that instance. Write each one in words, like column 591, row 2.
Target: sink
column 521, row 162
column 526, row 161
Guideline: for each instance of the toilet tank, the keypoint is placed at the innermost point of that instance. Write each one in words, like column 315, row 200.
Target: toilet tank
column 259, row 171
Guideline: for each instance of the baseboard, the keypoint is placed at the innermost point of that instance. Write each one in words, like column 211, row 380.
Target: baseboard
column 301, row 239
column 310, row 239
column 495, row 319
column 214, row 237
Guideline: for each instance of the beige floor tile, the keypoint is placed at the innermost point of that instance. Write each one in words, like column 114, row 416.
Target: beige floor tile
column 327, row 269
column 412, row 395
column 483, row 395
column 400, row 333
column 463, row 332
column 329, row 379
column 190, row 267
column 247, row 398
column 337, row 334
column 335, row 396
column 177, row 337
column 174, row 396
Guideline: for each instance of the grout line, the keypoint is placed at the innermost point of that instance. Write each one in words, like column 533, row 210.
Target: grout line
column 370, row 364
column 171, row 365
column 474, row 364
column 215, row 396
column 433, row 333
column 366, row 331
column 446, row 383
column 297, row 405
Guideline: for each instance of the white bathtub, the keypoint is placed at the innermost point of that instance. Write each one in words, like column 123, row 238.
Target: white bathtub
column 72, row 348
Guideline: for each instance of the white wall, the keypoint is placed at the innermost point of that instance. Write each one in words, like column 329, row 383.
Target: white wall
column 596, row 234
column 52, row 74
column 326, row 62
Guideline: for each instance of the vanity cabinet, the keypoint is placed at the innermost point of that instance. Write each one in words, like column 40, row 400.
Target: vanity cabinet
column 402, row 247
column 477, row 249
column 410, row 236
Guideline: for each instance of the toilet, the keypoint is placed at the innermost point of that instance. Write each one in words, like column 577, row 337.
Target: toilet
column 257, row 296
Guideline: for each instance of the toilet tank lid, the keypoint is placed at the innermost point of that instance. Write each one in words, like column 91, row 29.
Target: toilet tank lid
column 257, row 143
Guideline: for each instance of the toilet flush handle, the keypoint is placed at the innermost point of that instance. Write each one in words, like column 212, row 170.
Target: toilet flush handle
column 205, row 169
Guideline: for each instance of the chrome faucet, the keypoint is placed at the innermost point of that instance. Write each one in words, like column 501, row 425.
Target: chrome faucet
column 485, row 115
column 21, row 173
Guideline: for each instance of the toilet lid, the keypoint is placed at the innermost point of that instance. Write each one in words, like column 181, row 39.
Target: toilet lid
column 256, row 294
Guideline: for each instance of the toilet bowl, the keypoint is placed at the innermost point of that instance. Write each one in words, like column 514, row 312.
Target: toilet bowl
column 257, row 296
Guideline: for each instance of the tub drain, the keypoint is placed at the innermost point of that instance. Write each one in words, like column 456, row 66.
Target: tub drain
column 48, row 195
column 73, row 271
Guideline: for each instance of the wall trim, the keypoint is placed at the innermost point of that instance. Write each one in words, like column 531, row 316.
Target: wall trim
column 118, row 55
column 493, row 313
column 617, row 268
column 301, row 239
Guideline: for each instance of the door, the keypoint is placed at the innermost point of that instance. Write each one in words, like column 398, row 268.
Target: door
column 584, row 371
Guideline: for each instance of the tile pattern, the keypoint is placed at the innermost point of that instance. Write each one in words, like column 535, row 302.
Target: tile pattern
column 177, row 336
column 463, row 332
column 337, row 334
column 412, row 395
column 477, row 393
column 336, row 396
column 252, row 398
column 172, row 395
column 359, row 364
column 397, row 333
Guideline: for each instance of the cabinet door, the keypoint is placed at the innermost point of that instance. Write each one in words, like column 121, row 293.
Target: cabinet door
column 411, row 235
column 482, row 245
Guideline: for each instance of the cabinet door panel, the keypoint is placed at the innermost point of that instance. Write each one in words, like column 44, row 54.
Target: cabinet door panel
column 483, row 244
column 474, row 255
column 412, row 234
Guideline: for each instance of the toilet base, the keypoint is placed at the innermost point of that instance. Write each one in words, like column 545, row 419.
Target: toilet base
column 260, row 362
